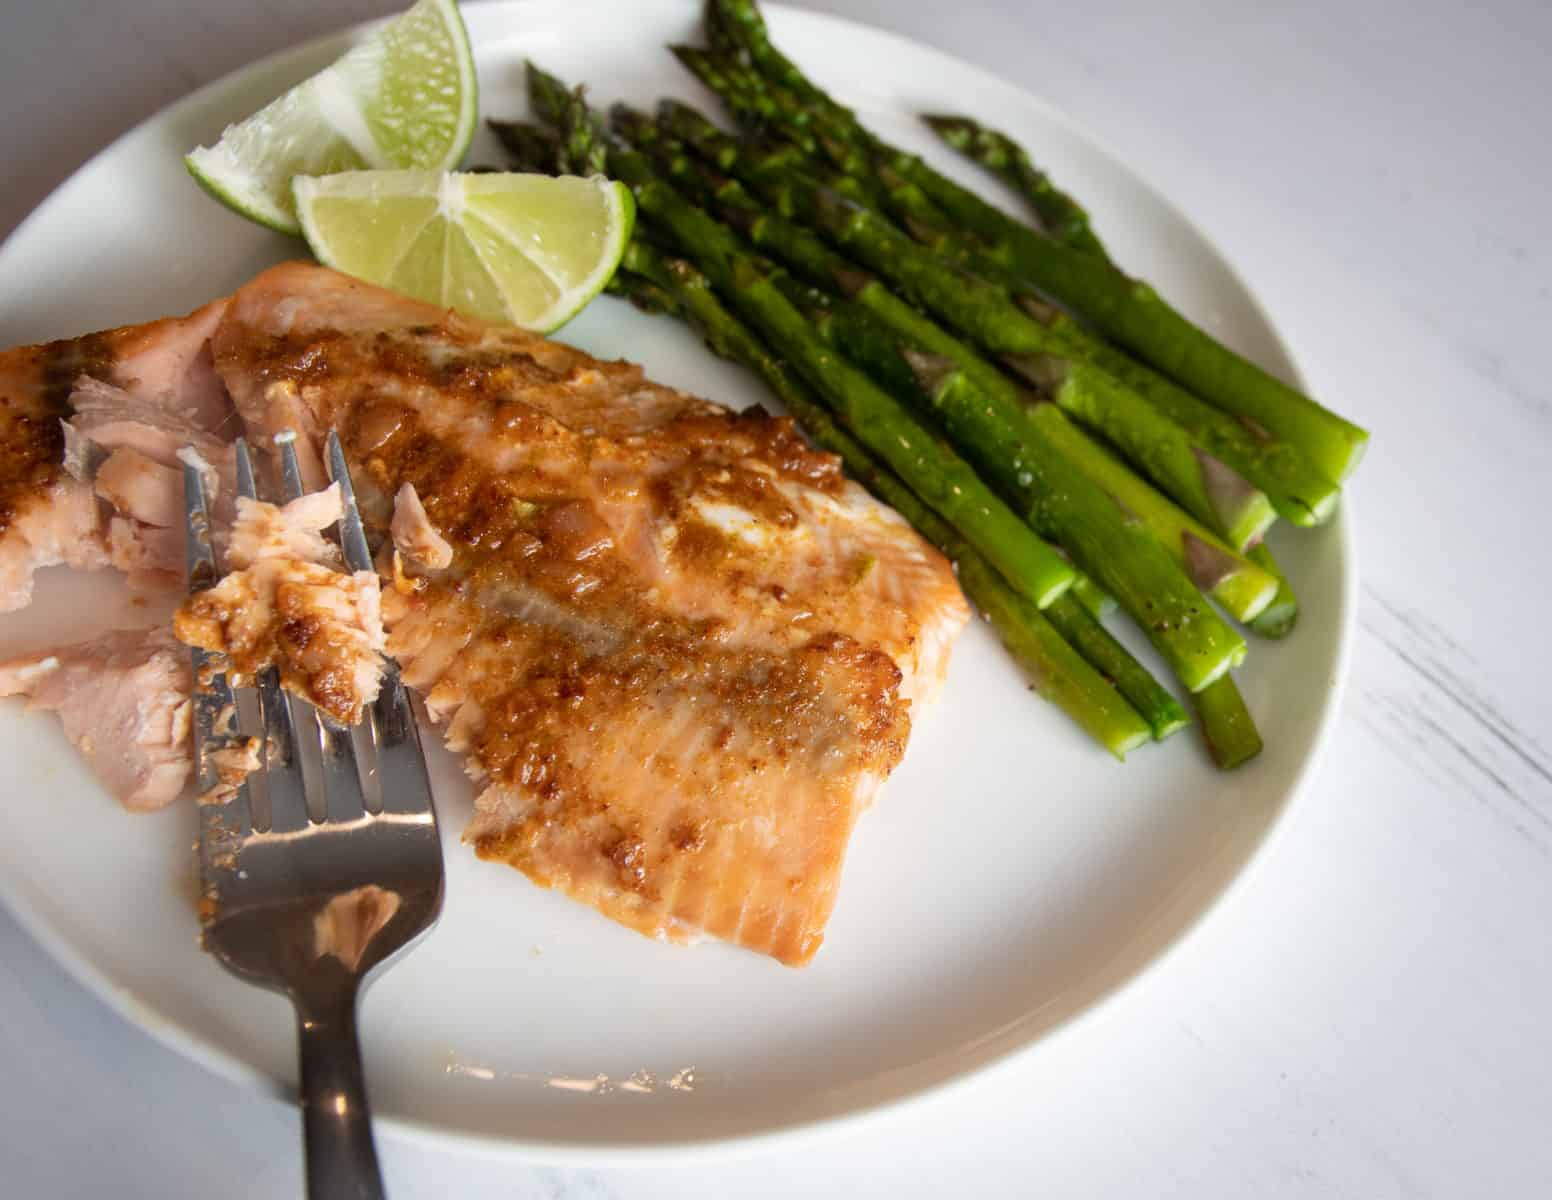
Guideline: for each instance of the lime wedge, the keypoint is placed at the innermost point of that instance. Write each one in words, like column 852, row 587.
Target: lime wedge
column 528, row 249
column 403, row 97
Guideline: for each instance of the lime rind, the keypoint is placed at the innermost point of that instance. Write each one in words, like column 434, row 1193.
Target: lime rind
column 621, row 228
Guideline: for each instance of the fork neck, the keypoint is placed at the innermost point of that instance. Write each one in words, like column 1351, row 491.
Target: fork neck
column 336, row 1122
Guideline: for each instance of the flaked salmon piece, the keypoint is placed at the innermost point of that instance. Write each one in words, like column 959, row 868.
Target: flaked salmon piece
column 229, row 766
column 160, row 374
column 293, row 530
column 141, row 489
column 678, row 651
column 123, row 699
column 287, row 605
column 414, row 536
column 57, row 524
column 107, row 418
column 150, row 557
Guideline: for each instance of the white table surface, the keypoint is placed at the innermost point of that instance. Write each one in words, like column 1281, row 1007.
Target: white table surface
column 1372, row 1017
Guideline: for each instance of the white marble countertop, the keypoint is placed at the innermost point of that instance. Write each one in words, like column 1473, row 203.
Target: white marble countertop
column 1370, row 1017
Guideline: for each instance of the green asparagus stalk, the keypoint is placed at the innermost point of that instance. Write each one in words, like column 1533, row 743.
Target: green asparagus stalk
column 531, row 147
column 1098, row 602
column 1231, row 734
column 1061, row 217
column 1296, row 488
column 1127, row 310
column 738, row 23
column 1082, row 630
column 1057, row 669
column 1279, row 617
column 1244, row 589
column 1211, row 491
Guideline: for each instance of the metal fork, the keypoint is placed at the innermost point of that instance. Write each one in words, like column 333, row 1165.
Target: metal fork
column 313, row 908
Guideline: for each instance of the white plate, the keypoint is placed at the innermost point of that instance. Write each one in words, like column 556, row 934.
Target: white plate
column 1010, row 877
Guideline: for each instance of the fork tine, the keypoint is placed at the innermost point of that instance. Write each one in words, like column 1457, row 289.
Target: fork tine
column 358, row 556
column 244, row 470
column 282, row 761
column 342, row 793
column 213, row 703
column 290, row 469
column 282, row 765
column 337, row 755
column 401, row 765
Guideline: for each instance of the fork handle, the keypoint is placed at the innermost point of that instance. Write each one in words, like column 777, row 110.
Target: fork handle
column 336, row 1123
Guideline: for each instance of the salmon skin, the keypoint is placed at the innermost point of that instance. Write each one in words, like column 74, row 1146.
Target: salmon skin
column 677, row 649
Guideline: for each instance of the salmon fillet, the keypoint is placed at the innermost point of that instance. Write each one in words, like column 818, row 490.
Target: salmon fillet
column 678, row 650
column 123, row 699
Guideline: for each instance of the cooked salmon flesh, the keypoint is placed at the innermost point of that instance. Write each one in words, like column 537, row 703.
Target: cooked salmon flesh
column 676, row 648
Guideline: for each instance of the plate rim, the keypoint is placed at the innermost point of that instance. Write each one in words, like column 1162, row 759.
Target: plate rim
column 31, row 913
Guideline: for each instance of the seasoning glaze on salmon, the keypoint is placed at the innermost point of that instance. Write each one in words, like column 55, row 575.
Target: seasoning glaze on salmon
column 677, row 649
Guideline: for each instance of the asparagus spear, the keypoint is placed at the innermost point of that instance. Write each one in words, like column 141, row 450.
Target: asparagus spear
column 1296, row 488
column 1096, row 601
column 1231, row 734
column 1061, row 217
column 1125, row 309
column 1058, row 666
column 1081, row 630
column 739, row 23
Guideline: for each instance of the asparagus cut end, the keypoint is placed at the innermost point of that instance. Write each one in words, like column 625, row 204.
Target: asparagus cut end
column 1163, row 714
column 932, row 371
column 1244, row 513
column 1227, row 726
column 1236, row 583
column 1099, row 603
